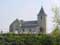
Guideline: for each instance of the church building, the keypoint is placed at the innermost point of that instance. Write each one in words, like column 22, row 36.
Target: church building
column 35, row 27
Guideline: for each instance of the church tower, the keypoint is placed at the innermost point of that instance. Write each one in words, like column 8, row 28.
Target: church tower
column 42, row 21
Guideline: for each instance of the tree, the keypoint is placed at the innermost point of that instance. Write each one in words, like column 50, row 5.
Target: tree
column 56, row 32
column 56, row 16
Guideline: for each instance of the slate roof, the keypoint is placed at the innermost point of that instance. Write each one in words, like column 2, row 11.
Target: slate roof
column 42, row 12
column 14, row 22
column 29, row 24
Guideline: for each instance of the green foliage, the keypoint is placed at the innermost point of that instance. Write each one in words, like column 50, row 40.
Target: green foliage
column 26, row 39
column 56, row 14
column 56, row 36
column 29, row 39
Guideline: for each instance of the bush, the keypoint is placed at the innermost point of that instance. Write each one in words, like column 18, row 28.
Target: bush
column 30, row 39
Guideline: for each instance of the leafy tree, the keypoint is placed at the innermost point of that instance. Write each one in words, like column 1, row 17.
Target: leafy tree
column 56, row 15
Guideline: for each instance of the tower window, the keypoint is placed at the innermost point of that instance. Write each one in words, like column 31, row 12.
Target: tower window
column 23, row 30
column 41, row 17
column 41, row 29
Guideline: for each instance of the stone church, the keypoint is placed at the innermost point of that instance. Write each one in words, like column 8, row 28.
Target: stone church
column 34, row 27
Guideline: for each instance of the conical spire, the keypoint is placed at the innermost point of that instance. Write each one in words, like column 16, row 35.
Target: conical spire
column 41, row 11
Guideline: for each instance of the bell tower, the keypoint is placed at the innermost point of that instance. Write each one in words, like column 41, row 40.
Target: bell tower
column 42, row 21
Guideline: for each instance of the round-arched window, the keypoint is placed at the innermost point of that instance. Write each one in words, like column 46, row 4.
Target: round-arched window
column 41, row 29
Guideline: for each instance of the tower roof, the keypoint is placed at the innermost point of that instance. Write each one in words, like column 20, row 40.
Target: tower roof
column 41, row 12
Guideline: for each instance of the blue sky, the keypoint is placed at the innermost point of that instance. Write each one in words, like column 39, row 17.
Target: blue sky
column 26, row 10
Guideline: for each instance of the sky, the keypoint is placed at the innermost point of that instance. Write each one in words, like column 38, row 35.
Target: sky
column 26, row 10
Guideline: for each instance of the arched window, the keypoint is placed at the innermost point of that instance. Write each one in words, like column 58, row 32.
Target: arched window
column 23, row 30
column 41, row 29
